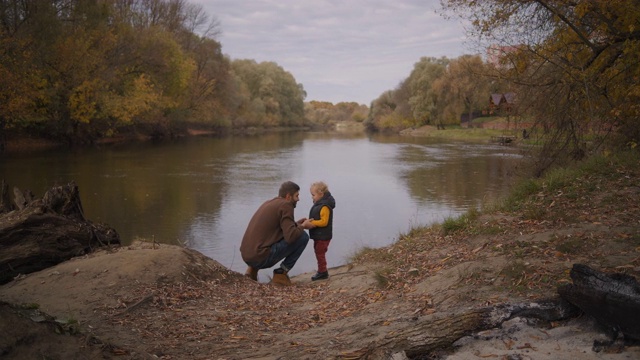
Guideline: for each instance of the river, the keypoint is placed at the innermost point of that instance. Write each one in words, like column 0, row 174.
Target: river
column 201, row 191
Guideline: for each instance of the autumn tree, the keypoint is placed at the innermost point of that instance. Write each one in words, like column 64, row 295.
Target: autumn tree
column 81, row 70
column 209, row 100
column 70, row 41
column 275, row 98
column 21, row 87
column 319, row 113
column 351, row 111
column 71, row 46
column 324, row 113
column 574, row 64
column 463, row 89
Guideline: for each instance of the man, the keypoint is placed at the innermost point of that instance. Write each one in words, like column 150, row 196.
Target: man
column 273, row 235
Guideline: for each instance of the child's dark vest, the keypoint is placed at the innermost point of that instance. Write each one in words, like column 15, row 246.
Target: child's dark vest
column 322, row 233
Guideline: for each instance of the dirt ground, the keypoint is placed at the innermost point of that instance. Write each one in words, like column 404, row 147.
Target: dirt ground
column 149, row 301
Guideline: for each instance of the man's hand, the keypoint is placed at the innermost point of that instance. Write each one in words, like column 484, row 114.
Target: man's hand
column 307, row 224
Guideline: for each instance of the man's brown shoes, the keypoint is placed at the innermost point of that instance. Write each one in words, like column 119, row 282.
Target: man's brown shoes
column 280, row 277
column 251, row 273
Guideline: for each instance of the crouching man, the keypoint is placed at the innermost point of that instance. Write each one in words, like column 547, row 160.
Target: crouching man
column 273, row 235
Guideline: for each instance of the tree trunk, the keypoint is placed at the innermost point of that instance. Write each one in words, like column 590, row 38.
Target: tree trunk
column 5, row 201
column 37, row 234
column 439, row 331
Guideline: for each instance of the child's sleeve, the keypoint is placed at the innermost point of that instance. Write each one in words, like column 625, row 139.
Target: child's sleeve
column 324, row 217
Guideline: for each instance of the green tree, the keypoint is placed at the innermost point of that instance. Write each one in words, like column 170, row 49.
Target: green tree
column 382, row 115
column 423, row 100
column 413, row 102
column 463, row 88
column 275, row 97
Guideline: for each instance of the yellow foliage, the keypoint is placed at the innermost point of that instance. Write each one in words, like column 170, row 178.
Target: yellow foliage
column 394, row 121
column 139, row 97
column 82, row 102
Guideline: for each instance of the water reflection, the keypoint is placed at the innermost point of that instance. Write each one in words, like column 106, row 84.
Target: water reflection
column 202, row 191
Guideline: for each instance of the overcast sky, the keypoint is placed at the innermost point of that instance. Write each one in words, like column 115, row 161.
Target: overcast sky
column 339, row 50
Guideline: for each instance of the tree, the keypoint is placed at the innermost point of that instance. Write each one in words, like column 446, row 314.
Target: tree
column 210, row 100
column 273, row 91
column 574, row 64
column 20, row 88
column 382, row 115
column 324, row 113
column 71, row 41
column 80, row 70
column 463, row 89
column 423, row 100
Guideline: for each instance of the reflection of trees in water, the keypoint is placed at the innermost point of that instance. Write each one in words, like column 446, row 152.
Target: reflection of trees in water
column 168, row 185
column 479, row 179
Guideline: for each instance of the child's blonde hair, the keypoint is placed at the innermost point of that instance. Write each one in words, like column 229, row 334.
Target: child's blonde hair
column 320, row 186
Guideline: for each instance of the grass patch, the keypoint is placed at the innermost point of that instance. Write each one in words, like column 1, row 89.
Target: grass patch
column 370, row 253
column 520, row 194
column 486, row 119
column 474, row 134
column 601, row 165
column 546, row 198
column 414, row 232
column 560, row 178
column 463, row 222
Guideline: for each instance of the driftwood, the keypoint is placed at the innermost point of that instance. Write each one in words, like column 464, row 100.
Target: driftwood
column 438, row 331
column 612, row 299
column 38, row 233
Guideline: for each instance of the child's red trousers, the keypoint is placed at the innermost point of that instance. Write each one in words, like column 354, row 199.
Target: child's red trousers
column 320, row 247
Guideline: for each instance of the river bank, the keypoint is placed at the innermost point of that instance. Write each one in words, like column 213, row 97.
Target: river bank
column 24, row 143
column 20, row 142
column 149, row 301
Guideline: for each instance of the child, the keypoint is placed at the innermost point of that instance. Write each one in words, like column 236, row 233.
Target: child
column 321, row 216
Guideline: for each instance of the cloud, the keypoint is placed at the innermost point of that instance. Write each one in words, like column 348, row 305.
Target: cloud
column 347, row 50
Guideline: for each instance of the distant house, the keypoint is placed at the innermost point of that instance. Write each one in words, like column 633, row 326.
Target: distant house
column 502, row 104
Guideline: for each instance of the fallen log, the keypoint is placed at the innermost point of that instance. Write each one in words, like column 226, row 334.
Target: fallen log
column 612, row 299
column 440, row 331
column 38, row 233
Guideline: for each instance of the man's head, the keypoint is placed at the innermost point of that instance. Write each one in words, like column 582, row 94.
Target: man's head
column 290, row 191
